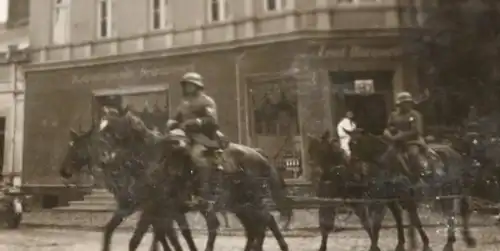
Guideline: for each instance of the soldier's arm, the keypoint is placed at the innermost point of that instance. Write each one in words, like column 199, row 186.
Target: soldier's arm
column 175, row 121
column 388, row 132
column 209, row 115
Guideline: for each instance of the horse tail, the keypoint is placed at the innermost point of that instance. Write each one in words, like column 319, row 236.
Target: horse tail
column 277, row 187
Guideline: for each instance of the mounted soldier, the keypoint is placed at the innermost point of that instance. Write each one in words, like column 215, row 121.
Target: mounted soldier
column 405, row 131
column 197, row 117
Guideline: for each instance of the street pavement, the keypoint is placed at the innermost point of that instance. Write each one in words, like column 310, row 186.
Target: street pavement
column 28, row 239
column 302, row 220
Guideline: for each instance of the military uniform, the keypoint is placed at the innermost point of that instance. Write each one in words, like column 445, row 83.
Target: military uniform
column 197, row 116
column 405, row 129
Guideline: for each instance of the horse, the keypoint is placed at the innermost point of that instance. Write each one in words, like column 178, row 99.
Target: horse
column 446, row 177
column 483, row 153
column 245, row 197
column 81, row 154
column 338, row 178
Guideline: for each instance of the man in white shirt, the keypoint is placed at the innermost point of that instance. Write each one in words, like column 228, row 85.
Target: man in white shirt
column 344, row 129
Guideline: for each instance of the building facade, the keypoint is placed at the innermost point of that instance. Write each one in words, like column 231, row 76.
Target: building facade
column 13, row 57
column 279, row 70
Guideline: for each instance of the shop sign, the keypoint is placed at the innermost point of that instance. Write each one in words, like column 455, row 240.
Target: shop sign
column 364, row 86
column 127, row 73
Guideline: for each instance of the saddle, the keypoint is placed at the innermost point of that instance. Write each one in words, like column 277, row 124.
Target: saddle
column 430, row 161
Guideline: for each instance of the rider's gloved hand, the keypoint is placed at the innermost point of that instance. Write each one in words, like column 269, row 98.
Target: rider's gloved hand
column 191, row 124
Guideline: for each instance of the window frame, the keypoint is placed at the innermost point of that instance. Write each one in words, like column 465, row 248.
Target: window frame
column 279, row 4
column 108, row 20
column 222, row 11
column 163, row 14
column 65, row 4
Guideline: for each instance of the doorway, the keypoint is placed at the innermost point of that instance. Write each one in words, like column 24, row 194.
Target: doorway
column 370, row 111
column 3, row 121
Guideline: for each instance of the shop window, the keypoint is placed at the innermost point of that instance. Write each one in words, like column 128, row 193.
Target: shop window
column 60, row 22
column 275, row 124
column 275, row 109
column 150, row 106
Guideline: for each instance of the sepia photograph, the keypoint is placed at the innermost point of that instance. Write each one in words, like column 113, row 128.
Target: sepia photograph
column 252, row 125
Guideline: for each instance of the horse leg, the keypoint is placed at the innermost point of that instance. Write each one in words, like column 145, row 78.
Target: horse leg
column 465, row 213
column 118, row 216
column 397, row 213
column 412, row 237
column 213, row 225
column 249, row 230
column 411, row 207
column 275, row 229
column 377, row 212
column 225, row 218
column 326, row 224
column 186, row 231
column 451, row 234
column 140, row 230
column 164, row 225
column 260, row 236
column 279, row 195
column 159, row 233
column 363, row 212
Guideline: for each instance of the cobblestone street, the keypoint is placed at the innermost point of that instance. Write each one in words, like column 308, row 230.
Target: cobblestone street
column 74, row 240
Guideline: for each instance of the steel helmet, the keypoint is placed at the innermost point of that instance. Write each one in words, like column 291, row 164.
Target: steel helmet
column 404, row 97
column 193, row 78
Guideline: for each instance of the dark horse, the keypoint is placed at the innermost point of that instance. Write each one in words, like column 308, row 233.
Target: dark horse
column 244, row 195
column 446, row 176
column 482, row 148
column 135, row 187
column 339, row 179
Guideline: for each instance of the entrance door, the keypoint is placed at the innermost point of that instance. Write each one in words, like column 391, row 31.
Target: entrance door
column 370, row 111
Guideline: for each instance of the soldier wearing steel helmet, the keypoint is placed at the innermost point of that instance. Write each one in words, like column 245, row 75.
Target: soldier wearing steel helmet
column 197, row 116
column 405, row 130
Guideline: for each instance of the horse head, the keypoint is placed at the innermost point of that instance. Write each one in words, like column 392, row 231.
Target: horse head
column 113, row 121
column 324, row 151
column 367, row 147
column 175, row 149
column 78, row 155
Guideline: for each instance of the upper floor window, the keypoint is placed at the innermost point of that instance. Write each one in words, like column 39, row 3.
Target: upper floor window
column 159, row 18
column 273, row 5
column 60, row 22
column 104, row 28
column 218, row 10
